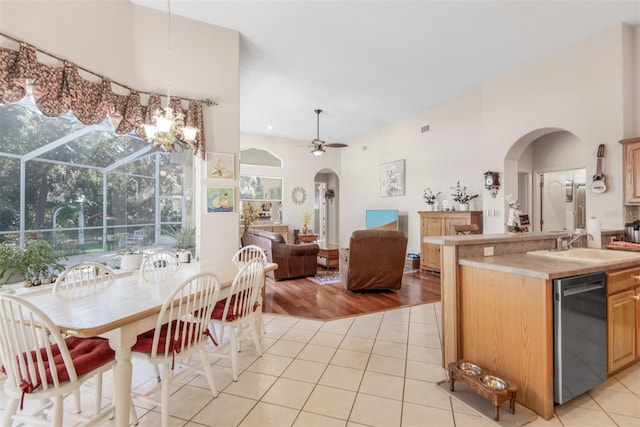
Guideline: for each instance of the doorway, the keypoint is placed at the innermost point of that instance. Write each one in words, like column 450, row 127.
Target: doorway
column 562, row 200
column 326, row 204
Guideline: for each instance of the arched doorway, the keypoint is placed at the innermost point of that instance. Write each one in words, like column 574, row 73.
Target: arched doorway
column 326, row 206
column 548, row 156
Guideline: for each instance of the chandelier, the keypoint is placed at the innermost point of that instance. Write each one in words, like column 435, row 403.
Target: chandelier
column 168, row 128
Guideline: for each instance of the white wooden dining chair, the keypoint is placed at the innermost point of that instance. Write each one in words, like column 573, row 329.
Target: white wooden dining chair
column 180, row 332
column 247, row 253
column 237, row 312
column 43, row 366
column 83, row 276
column 241, row 257
column 159, row 265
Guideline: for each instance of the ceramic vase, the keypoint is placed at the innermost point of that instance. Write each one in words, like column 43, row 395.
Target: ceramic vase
column 463, row 207
column 429, row 207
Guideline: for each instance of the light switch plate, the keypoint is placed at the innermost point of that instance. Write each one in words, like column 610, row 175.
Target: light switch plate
column 488, row 251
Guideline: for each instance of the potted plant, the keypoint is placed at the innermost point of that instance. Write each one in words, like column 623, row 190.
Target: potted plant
column 461, row 196
column 35, row 263
column 185, row 241
column 9, row 259
column 130, row 258
column 430, row 198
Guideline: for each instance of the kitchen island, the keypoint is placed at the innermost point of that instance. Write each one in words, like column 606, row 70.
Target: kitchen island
column 498, row 310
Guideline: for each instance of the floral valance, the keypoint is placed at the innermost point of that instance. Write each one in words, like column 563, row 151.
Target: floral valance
column 57, row 90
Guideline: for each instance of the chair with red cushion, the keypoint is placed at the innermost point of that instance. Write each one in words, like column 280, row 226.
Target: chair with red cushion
column 42, row 365
column 181, row 331
column 238, row 311
column 85, row 277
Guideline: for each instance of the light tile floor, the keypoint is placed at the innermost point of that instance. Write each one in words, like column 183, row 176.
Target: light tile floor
column 372, row 370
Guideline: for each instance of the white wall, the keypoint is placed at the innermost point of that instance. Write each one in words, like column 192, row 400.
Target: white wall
column 579, row 89
column 127, row 44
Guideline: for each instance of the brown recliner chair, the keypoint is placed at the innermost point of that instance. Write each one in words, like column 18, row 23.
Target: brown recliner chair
column 374, row 260
column 293, row 260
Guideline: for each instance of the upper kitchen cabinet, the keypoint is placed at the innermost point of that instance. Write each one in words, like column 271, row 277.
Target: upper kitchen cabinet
column 631, row 167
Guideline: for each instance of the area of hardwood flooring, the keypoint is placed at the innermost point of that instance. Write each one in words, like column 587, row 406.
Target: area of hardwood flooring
column 304, row 298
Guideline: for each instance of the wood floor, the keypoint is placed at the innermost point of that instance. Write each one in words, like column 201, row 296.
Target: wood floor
column 304, row 298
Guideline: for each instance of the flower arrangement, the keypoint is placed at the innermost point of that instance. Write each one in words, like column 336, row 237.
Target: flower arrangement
column 429, row 197
column 460, row 194
column 306, row 217
column 249, row 214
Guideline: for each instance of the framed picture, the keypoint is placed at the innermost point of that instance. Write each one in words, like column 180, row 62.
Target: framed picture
column 220, row 199
column 220, row 165
column 392, row 178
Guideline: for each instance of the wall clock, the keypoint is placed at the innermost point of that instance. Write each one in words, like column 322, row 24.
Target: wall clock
column 298, row 195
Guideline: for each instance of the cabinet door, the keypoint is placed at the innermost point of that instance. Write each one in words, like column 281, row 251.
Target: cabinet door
column 637, row 323
column 433, row 228
column 621, row 329
column 632, row 172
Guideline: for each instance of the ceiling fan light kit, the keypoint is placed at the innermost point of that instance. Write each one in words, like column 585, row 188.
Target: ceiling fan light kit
column 318, row 144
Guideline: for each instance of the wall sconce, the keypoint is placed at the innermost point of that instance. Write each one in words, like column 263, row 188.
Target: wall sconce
column 492, row 182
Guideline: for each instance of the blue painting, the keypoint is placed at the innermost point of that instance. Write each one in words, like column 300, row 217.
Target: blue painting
column 220, row 199
column 382, row 219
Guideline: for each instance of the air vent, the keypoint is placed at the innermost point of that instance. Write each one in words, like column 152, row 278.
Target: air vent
column 424, row 129
column 364, row 148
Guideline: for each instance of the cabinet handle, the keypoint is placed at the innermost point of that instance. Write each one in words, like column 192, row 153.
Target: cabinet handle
column 636, row 277
column 636, row 297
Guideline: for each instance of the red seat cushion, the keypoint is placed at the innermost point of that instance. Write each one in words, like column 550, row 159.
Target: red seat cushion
column 218, row 310
column 144, row 343
column 87, row 354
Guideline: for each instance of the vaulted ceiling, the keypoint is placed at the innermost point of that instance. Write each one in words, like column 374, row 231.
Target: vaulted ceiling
column 368, row 64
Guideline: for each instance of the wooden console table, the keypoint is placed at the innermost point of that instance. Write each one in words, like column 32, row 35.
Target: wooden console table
column 307, row 238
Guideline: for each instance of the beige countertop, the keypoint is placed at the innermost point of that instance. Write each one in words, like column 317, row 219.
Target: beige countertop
column 475, row 239
column 542, row 267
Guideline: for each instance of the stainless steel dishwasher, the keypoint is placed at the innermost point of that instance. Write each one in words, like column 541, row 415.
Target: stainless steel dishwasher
column 580, row 334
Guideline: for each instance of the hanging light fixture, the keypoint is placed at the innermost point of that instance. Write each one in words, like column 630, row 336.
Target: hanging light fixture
column 317, row 151
column 168, row 128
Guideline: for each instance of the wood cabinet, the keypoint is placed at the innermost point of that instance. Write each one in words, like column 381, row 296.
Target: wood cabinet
column 441, row 224
column 623, row 318
column 631, row 169
column 282, row 229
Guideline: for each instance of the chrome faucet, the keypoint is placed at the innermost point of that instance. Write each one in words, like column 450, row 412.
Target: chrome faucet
column 575, row 236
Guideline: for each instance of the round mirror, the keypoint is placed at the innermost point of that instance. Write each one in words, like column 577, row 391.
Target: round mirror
column 298, row 195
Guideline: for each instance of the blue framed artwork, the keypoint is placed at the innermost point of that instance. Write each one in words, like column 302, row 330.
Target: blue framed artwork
column 220, row 199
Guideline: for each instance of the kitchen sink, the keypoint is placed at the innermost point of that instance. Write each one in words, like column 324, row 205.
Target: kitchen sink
column 588, row 255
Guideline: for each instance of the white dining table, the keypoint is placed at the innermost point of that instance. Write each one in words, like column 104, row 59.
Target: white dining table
column 129, row 306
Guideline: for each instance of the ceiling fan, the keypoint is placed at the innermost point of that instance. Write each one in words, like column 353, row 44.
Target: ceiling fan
column 318, row 144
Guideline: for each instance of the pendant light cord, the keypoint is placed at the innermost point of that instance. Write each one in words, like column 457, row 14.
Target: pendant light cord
column 169, row 54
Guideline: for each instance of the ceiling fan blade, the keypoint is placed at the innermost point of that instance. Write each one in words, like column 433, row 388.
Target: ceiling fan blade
column 335, row 145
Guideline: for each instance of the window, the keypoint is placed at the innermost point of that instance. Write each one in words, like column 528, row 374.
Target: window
column 82, row 187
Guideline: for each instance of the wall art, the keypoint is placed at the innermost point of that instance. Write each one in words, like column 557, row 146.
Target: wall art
column 220, row 165
column 392, row 178
column 220, row 199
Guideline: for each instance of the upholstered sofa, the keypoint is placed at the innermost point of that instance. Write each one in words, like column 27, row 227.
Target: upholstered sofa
column 374, row 260
column 293, row 260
